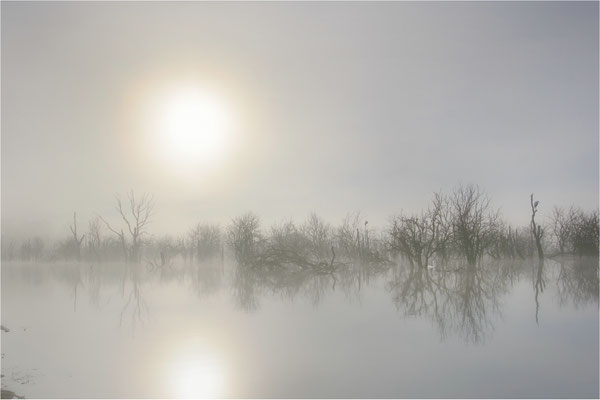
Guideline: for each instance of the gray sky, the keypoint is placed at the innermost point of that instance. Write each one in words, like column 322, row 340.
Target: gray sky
column 340, row 107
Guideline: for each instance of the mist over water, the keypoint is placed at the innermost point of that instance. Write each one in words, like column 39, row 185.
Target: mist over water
column 113, row 330
column 300, row 200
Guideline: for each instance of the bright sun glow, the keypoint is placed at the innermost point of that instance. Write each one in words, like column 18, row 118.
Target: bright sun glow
column 194, row 127
column 196, row 376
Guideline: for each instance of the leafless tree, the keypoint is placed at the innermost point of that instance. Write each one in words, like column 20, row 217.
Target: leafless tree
column 94, row 238
column 244, row 237
column 536, row 230
column 420, row 237
column 136, row 214
column 575, row 231
column 76, row 239
column 319, row 234
column 348, row 237
column 585, row 237
column 205, row 240
column 473, row 221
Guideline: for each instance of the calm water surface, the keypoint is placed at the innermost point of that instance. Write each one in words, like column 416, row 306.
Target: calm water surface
column 504, row 329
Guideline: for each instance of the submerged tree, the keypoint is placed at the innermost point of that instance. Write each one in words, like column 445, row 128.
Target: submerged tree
column 536, row 230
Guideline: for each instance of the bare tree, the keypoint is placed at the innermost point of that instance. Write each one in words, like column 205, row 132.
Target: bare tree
column 76, row 239
column 205, row 240
column 473, row 221
column 537, row 231
column 94, row 238
column 244, row 237
column 585, row 237
column 136, row 214
column 347, row 235
column 318, row 233
column 120, row 236
column 420, row 237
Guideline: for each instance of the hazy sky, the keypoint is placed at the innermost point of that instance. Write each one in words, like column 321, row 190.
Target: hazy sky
column 339, row 107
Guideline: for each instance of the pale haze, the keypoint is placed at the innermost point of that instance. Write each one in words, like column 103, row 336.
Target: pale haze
column 337, row 107
column 299, row 200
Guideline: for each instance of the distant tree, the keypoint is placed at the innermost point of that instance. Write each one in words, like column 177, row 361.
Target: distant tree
column 94, row 238
column 347, row 235
column 585, row 236
column 318, row 233
column 37, row 248
column 77, row 240
column 26, row 250
column 510, row 242
column 244, row 237
column 8, row 249
column 205, row 240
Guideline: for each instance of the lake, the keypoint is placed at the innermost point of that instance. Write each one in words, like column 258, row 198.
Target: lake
column 507, row 328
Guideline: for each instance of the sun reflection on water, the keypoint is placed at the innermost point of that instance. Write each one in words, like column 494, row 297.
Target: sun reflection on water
column 196, row 374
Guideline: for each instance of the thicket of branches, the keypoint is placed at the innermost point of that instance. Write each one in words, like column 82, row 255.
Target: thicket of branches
column 463, row 223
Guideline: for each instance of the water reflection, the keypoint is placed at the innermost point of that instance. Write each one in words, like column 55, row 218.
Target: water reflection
column 577, row 281
column 539, row 283
column 249, row 284
column 196, row 374
column 461, row 299
column 458, row 299
column 204, row 311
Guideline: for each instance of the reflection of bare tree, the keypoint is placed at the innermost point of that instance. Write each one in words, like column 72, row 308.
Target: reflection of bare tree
column 70, row 274
column 477, row 294
column 249, row 284
column 539, row 284
column 131, row 290
column 206, row 278
column 412, row 289
column 458, row 300
column 577, row 280
column 245, row 285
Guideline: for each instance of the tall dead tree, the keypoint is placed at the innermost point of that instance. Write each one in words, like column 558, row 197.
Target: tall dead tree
column 537, row 231
column 77, row 240
column 136, row 214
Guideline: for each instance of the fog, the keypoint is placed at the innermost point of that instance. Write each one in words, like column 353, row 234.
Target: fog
column 335, row 199
column 339, row 107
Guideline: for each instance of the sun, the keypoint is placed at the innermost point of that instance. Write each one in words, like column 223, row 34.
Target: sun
column 193, row 127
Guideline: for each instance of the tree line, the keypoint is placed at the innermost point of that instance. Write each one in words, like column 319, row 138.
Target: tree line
column 463, row 223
